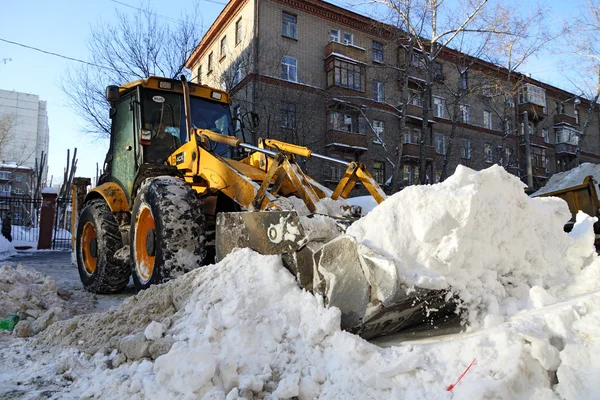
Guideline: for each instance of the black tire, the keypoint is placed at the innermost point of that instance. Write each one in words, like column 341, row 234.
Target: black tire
column 108, row 275
column 174, row 242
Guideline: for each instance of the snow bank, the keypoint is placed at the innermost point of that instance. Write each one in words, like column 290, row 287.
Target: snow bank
column 6, row 248
column 248, row 331
column 480, row 235
column 34, row 297
column 573, row 177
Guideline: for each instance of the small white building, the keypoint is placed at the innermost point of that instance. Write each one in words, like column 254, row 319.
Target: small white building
column 29, row 134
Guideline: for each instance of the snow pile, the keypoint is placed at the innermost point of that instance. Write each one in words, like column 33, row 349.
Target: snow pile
column 6, row 248
column 479, row 234
column 34, row 297
column 248, row 331
column 573, row 177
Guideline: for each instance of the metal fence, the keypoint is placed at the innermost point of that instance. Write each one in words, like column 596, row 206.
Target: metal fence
column 61, row 234
column 26, row 222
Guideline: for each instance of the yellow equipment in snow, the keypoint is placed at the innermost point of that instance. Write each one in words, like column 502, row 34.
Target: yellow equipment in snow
column 180, row 190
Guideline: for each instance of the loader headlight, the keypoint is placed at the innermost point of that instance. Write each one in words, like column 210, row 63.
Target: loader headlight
column 216, row 95
column 165, row 85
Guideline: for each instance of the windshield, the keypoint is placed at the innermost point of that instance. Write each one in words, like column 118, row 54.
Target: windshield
column 165, row 119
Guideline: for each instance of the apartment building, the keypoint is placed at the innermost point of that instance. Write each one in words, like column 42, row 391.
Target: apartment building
column 25, row 134
column 322, row 76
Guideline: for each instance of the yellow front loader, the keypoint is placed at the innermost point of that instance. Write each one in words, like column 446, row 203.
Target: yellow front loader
column 180, row 191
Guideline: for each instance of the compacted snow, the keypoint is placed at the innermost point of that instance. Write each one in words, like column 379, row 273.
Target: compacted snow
column 244, row 329
column 573, row 177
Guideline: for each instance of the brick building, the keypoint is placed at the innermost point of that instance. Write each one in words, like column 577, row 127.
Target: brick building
column 325, row 77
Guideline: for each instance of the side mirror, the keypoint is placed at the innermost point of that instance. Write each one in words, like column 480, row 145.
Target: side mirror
column 112, row 94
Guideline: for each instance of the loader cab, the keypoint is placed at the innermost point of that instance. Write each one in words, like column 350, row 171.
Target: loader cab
column 148, row 125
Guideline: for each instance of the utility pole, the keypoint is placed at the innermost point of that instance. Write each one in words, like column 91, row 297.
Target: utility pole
column 527, row 150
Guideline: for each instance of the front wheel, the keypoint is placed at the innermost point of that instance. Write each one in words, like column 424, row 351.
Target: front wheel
column 98, row 238
column 166, row 235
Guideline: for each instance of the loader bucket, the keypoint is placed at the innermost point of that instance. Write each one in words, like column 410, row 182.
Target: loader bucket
column 366, row 286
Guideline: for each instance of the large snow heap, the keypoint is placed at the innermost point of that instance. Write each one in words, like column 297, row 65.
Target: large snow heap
column 480, row 235
column 244, row 329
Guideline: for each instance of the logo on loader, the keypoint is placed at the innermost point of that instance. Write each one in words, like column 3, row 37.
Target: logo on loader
column 179, row 158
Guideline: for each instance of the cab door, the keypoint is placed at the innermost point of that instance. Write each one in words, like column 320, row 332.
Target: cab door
column 124, row 143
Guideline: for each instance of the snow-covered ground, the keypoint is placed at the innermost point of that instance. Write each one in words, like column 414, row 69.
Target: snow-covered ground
column 244, row 329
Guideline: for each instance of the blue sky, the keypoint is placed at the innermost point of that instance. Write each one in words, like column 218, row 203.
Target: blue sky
column 62, row 26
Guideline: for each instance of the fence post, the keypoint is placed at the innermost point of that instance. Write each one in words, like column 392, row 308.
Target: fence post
column 79, row 191
column 49, row 196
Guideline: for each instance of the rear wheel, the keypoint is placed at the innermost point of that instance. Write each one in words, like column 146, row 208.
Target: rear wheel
column 166, row 236
column 98, row 238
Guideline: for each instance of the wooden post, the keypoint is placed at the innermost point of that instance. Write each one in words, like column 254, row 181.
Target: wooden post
column 78, row 193
column 49, row 196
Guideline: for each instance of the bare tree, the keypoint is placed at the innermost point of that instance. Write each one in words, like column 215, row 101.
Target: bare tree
column 431, row 26
column 128, row 48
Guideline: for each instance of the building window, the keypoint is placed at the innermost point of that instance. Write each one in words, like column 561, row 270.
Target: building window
column 345, row 74
column 413, row 137
column 508, row 129
column 288, row 115
column 199, row 74
column 238, row 31
column 378, row 91
column 438, row 73
column 487, row 120
column 223, row 47
column 334, row 35
column 466, row 149
column 411, row 174
column 464, row 80
column 508, row 152
column 348, row 38
column 546, row 135
column 576, row 110
column 5, row 176
column 237, row 115
column 378, row 130
column 379, row 172
column 415, row 99
column 567, row 135
column 19, row 178
column 464, row 113
column 347, row 123
column 488, row 153
column 289, row 69
column 438, row 107
column 377, row 52
column 209, row 66
column 538, row 157
column 486, row 90
column 440, row 144
column 289, row 27
column 416, row 61
column 18, row 191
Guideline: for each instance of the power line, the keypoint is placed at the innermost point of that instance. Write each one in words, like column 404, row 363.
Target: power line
column 140, row 9
column 61, row 56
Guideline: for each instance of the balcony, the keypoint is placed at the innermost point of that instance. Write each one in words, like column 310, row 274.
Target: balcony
column 535, row 112
column 4, row 176
column 414, row 111
column 565, row 149
column 5, row 193
column 411, row 151
column 534, row 140
column 346, row 140
column 353, row 52
column 565, row 119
